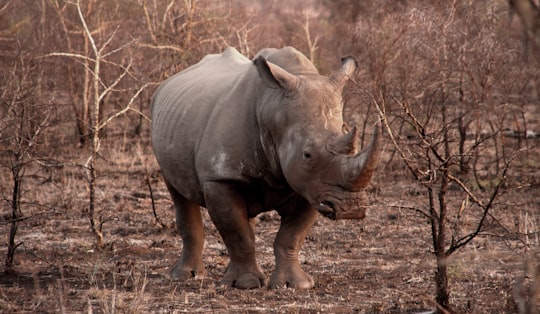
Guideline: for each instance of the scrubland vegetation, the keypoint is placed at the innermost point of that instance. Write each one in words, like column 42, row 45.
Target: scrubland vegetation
column 454, row 220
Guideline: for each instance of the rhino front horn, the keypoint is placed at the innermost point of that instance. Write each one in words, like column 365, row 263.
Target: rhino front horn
column 358, row 169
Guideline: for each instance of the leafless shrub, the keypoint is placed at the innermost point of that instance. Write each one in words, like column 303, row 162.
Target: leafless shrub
column 24, row 119
column 21, row 129
column 94, row 60
column 437, row 75
column 529, row 14
column 182, row 32
column 527, row 287
column 448, row 77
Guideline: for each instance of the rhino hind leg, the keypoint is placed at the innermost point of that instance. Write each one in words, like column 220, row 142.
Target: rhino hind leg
column 228, row 211
column 190, row 227
column 289, row 239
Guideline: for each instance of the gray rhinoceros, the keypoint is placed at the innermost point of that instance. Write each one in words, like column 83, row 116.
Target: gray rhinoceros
column 241, row 137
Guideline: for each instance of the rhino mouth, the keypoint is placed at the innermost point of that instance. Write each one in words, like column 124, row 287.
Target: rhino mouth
column 344, row 205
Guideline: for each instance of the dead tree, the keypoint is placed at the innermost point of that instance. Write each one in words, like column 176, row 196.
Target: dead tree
column 529, row 14
column 94, row 61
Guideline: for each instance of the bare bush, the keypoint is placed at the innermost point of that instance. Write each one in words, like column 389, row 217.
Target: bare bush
column 94, row 60
column 529, row 14
column 25, row 116
column 449, row 78
column 436, row 76
column 527, row 287
column 22, row 124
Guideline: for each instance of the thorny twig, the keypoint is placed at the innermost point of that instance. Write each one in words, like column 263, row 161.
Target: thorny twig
column 485, row 207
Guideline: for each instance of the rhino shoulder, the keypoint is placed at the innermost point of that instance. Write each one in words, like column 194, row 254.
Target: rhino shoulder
column 230, row 53
column 230, row 57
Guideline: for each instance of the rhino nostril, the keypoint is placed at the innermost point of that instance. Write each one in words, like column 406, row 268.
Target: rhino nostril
column 327, row 209
column 328, row 204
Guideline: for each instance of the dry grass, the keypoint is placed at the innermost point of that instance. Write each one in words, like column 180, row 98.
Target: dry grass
column 380, row 265
column 465, row 55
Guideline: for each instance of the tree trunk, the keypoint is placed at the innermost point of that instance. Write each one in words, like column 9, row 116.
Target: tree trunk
column 12, row 246
column 441, row 282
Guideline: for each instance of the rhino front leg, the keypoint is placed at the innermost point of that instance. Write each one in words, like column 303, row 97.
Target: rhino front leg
column 190, row 227
column 290, row 237
column 228, row 211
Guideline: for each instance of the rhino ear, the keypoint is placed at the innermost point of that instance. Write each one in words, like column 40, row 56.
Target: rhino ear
column 348, row 67
column 274, row 76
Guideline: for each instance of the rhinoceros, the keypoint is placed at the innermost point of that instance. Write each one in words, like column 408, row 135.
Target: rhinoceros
column 241, row 137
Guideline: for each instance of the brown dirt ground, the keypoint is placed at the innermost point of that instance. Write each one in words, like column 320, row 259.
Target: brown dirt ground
column 380, row 265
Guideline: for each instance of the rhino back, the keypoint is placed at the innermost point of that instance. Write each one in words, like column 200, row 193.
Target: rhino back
column 203, row 123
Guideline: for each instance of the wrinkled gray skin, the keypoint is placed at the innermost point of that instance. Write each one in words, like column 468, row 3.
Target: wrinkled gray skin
column 241, row 137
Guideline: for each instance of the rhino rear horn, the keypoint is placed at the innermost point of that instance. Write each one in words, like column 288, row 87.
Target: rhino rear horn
column 274, row 76
column 359, row 168
column 346, row 144
column 348, row 67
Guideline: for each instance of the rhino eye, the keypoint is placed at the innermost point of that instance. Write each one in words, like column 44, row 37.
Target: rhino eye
column 307, row 156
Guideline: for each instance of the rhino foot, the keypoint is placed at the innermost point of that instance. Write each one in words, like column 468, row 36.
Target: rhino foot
column 243, row 277
column 181, row 271
column 292, row 277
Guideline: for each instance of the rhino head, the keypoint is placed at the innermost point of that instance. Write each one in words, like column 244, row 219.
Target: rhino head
column 318, row 154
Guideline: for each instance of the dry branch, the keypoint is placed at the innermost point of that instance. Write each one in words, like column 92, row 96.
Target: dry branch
column 127, row 107
column 456, row 244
